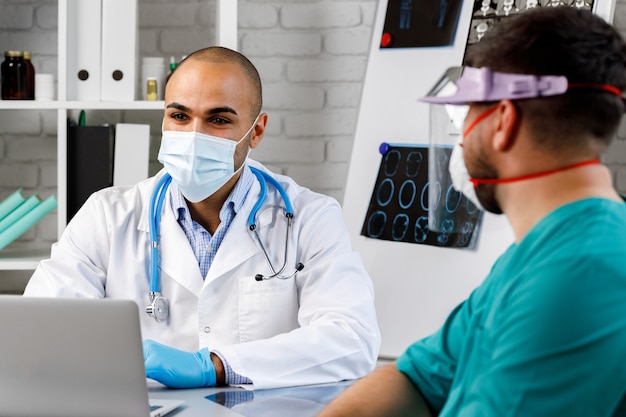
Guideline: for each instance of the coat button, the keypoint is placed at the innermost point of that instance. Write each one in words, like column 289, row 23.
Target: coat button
column 207, row 329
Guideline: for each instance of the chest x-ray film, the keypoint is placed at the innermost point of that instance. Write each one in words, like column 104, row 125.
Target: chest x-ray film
column 402, row 198
column 420, row 23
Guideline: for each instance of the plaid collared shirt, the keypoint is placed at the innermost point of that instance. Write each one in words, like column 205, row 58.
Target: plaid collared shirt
column 203, row 244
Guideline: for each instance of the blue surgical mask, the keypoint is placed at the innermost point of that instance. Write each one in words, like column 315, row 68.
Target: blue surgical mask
column 199, row 164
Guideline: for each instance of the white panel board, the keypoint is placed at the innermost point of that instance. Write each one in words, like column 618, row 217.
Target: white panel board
column 416, row 285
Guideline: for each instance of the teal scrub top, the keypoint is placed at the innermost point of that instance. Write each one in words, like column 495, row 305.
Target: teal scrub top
column 545, row 334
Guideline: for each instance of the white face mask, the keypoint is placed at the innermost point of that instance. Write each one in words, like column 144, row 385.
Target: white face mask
column 460, row 176
column 199, row 164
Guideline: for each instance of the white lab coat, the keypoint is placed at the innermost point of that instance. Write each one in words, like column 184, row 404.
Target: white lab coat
column 317, row 327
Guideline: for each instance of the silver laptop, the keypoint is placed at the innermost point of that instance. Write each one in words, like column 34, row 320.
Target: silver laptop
column 69, row 357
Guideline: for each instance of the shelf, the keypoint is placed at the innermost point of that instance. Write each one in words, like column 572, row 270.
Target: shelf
column 80, row 105
column 26, row 259
column 29, row 104
column 22, row 259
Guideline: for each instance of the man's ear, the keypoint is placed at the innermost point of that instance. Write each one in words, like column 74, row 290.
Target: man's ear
column 506, row 126
column 258, row 130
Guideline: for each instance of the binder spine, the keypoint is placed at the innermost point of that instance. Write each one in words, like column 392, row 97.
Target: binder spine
column 119, row 50
column 84, row 24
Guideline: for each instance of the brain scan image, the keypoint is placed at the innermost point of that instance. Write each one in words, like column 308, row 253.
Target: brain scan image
column 392, row 162
column 400, row 226
column 385, row 192
column 407, row 194
column 421, row 229
column 453, row 199
column 376, row 223
column 413, row 164
column 466, row 232
column 431, row 196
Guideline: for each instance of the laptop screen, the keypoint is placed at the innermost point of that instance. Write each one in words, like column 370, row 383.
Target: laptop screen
column 69, row 357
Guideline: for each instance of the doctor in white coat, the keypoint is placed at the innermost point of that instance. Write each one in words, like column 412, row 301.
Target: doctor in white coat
column 313, row 324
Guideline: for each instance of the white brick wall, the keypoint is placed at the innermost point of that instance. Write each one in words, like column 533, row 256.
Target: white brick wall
column 312, row 57
column 16, row 17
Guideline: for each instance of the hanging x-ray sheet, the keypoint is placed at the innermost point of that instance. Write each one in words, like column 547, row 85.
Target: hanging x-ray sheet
column 399, row 206
column 489, row 13
column 420, row 23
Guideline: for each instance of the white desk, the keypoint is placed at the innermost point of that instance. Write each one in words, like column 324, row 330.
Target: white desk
column 306, row 401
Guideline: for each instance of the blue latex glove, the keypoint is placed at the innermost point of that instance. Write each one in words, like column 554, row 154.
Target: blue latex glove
column 178, row 368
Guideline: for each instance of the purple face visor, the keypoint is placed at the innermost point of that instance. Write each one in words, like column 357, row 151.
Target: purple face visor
column 459, row 87
column 464, row 85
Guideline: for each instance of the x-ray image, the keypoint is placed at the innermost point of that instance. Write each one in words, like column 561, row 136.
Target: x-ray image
column 399, row 206
column 420, row 23
column 488, row 13
column 555, row 3
column 579, row 4
column 478, row 28
column 507, row 8
column 583, row 4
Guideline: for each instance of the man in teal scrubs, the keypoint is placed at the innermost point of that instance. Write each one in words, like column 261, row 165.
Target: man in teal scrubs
column 545, row 334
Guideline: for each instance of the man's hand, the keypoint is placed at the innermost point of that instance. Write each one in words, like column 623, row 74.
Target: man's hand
column 177, row 368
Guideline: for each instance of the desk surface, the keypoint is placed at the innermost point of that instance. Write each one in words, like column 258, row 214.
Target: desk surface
column 305, row 401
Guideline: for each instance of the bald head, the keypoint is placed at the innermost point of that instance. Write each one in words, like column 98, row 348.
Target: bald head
column 221, row 55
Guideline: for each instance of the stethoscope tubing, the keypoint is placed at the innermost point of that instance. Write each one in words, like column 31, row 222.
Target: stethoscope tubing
column 157, row 198
column 156, row 206
column 263, row 177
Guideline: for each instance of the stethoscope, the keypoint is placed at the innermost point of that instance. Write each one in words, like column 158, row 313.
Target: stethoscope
column 159, row 306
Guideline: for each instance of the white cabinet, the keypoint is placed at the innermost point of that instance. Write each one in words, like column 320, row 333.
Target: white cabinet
column 23, row 259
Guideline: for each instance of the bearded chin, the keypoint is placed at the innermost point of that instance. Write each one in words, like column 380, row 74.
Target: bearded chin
column 487, row 197
column 485, row 193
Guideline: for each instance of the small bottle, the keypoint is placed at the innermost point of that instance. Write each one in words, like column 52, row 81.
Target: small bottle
column 13, row 71
column 30, row 76
column 44, row 86
column 173, row 64
column 151, row 89
column 152, row 67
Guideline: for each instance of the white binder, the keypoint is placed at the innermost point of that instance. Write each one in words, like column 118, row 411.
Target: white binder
column 132, row 153
column 119, row 50
column 83, row 49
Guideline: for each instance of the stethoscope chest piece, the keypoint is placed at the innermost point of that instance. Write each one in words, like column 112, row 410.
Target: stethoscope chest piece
column 263, row 178
column 158, row 308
